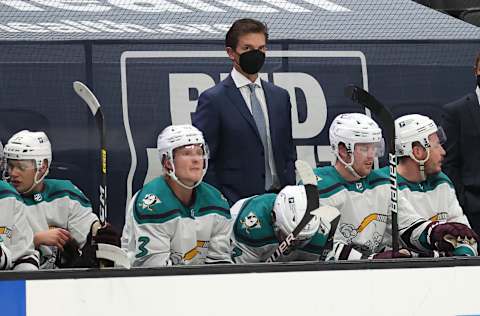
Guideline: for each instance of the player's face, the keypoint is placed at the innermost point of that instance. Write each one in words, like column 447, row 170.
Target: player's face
column 437, row 153
column 22, row 173
column 188, row 162
column 364, row 155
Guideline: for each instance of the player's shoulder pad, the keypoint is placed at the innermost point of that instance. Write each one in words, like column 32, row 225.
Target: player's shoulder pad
column 155, row 204
column 7, row 190
column 56, row 188
column 440, row 178
column 253, row 225
column 211, row 201
column 329, row 181
column 379, row 177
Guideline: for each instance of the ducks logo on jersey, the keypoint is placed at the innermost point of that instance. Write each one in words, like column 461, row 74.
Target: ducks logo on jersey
column 149, row 201
column 250, row 221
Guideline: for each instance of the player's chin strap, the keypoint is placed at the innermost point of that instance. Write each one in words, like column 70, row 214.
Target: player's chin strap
column 36, row 181
column 171, row 174
column 421, row 164
column 349, row 166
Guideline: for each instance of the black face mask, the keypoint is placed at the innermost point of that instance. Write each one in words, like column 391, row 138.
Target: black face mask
column 252, row 61
column 478, row 81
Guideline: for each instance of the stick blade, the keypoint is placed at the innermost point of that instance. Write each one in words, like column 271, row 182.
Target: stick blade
column 359, row 95
column 305, row 172
column 87, row 96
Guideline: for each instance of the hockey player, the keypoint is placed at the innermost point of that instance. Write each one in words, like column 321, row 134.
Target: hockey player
column 176, row 218
column 360, row 193
column 263, row 221
column 430, row 217
column 16, row 237
column 60, row 215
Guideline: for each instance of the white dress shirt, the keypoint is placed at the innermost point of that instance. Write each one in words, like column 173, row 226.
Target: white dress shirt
column 242, row 82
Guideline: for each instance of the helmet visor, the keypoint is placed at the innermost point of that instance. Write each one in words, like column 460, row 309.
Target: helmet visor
column 22, row 165
column 371, row 149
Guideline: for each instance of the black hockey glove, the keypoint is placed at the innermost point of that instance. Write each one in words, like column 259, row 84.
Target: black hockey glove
column 107, row 235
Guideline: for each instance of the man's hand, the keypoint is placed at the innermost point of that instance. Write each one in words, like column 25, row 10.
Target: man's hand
column 57, row 237
column 107, row 235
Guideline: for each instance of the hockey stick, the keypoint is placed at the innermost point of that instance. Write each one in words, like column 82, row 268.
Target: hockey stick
column 313, row 201
column 362, row 97
column 89, row 98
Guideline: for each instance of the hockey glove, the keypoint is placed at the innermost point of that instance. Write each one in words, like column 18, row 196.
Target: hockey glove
column 107, row 235
column 454, row 239
column 390, row 254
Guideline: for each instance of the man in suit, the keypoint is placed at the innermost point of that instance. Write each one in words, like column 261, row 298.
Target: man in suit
column 247, row 121
column 461, row 123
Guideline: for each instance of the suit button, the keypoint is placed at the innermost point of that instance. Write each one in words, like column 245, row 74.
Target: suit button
column 263, row 154
column 263, row 175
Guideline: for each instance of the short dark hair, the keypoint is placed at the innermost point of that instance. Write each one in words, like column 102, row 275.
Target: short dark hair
column 242, row 27
column 477, row 62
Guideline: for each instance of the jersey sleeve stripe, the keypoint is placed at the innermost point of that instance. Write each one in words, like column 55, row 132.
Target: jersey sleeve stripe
column 82, row 199
column 214, row 209
column 28, row 260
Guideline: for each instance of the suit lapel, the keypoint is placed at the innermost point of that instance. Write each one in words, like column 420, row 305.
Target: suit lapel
column 474, row 108
column 237, row 100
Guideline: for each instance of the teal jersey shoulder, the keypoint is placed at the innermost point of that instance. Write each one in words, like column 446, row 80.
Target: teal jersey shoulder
column 430, row 184
column 7, row 190
column 253, row 225
column 56, row 189
column 156, row 203
column 329, row 181
column 210, row 201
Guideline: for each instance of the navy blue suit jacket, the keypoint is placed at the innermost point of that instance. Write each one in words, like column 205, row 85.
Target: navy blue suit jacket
column 461, row 122
column 236, row 164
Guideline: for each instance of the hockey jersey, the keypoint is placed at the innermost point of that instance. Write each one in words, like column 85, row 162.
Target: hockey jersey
column 60, row 205
column 165, row 232
column 16, row 237
column 253, row 238
column 421, row 203
column 364, row 208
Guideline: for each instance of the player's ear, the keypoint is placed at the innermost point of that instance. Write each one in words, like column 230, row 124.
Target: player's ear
column 342, row 152
column 44, row 167
column 419, row 152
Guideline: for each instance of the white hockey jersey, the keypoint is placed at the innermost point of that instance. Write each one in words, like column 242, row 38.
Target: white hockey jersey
column 16, row 237
column 163, row 231
column 253, row 238
column 60, row 205
column 364, row 207
column 419, row 204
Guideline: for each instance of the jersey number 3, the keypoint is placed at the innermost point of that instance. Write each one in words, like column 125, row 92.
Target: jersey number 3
column 143, row 241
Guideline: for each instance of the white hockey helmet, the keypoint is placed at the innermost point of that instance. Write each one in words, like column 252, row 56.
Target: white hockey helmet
column 413, row 128
column 289, row 208
column 351, row 129
column 27, row 145
column 175, row 136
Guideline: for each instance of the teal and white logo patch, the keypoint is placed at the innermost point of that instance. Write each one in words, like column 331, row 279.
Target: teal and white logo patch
column 37, row 197
column 149, row 201
column 250, row 221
